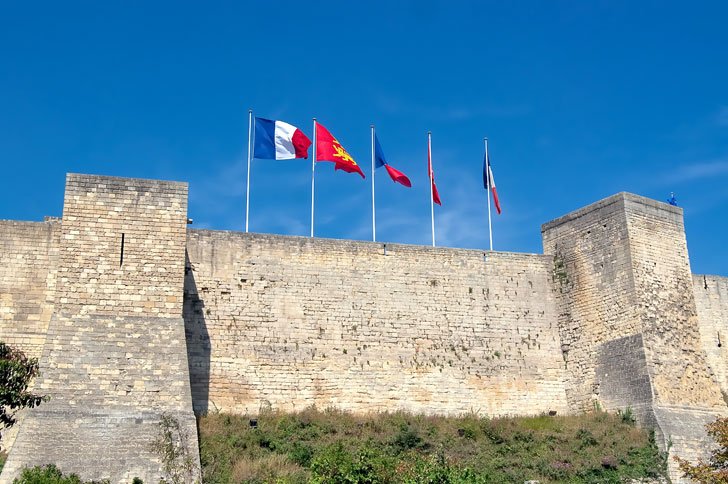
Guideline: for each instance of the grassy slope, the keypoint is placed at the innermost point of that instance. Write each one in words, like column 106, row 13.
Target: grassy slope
column 332, row 447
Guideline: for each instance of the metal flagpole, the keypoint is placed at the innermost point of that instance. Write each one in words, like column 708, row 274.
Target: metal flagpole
column 487, row 164
column 313, row 171
column 432, row 195
column 247, row 189
column 374, row 225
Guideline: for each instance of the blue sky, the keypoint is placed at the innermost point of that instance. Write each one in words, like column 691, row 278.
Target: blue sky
column 579, row 100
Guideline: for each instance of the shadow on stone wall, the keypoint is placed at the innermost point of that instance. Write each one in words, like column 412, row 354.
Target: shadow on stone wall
column 198, row 341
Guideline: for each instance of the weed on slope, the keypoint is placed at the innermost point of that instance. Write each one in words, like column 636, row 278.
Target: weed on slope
column 337, row 447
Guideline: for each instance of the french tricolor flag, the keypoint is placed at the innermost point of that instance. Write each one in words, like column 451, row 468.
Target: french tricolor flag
column 276, row 140
column 489, row 181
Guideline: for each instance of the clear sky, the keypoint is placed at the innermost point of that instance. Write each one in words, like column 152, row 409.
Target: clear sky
column 579, row 100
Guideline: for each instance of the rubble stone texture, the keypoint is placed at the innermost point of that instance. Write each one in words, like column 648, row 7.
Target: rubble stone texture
column 185, row 319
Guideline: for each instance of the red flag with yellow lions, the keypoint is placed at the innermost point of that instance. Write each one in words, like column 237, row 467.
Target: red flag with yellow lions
column 328, row 149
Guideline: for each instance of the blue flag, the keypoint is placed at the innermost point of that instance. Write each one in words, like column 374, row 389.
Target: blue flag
column 380, row 160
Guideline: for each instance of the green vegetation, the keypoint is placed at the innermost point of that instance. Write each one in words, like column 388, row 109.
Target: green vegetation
column 332, row 447
column 16, row 373
column 50, row 474
column 715, row 469
column 171, row 445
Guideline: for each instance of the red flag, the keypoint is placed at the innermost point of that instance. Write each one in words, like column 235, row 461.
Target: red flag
column 398, row 176
column 328, row 149
column 435, row 195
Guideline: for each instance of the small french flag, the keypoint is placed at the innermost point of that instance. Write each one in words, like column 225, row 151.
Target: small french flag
column 489, row 182
column 276, row 140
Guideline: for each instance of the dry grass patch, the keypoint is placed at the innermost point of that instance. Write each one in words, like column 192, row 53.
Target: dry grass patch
column 266, row 469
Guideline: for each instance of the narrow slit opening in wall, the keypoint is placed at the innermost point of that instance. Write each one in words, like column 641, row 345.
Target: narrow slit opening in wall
column 121, row 256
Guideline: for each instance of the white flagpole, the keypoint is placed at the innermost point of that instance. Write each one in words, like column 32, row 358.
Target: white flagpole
column 487, row 165
column 313, row 171
column 374, row 225
column 432, row 195
column 247, row 189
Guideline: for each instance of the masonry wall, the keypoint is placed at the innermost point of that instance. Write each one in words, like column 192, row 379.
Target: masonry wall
column 597, row 306
column 627, row 308
column 131, row 327
column 114, row 362
column 666, row 306
column 102, row 214
column 711, row 300
column 109, row 379
column 28, row 260
column 293, row 321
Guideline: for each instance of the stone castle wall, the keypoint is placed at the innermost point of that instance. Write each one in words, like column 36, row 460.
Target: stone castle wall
column 123, row 243
column 28, row 269
column 711, row 299
column 294, row 321
column 114, row 361
column 666, row 306
column 629, row 311
column 135, row 317
column 597, row 304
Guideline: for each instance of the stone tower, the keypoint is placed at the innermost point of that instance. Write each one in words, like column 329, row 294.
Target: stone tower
column 114, row 360
column 628, row 319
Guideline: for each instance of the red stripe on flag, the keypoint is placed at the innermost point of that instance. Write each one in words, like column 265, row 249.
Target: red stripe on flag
column 398, row 176
column 495, row 200
column 491, row 182
column 435, row 195
column 301, row 144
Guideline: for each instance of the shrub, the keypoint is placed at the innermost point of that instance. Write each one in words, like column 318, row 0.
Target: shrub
column 406, row 439
column 50, row 474
column 627, row 416
column 171, row 445
column 338, row 466
column 16, row 373
column 301, row 454
column 715, row 470
column 587, row 438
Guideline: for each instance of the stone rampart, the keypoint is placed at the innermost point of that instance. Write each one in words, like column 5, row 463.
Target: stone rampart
column 711, row 300
column 294, row 321
column 122, row 249
column 628, row 319
column 28, row 267
column 114, row 360
column 137, row 318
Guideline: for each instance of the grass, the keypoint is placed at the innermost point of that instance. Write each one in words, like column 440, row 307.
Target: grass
column 337, row 447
